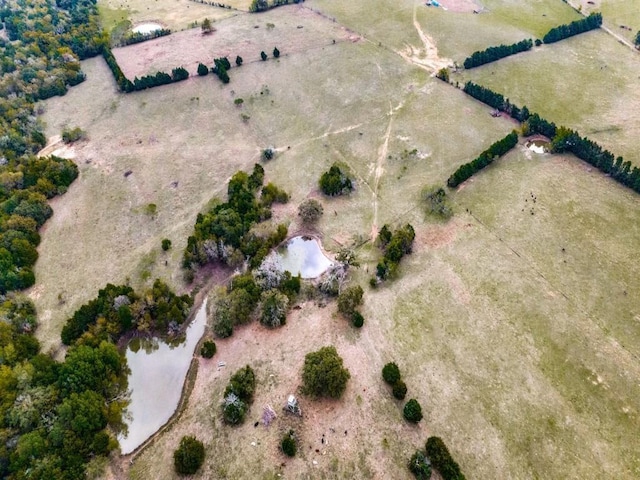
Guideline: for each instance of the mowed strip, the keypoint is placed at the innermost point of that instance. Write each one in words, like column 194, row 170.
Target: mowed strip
column 292, row 29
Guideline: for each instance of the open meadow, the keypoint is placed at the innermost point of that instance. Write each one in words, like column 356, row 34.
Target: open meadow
column 516, row 324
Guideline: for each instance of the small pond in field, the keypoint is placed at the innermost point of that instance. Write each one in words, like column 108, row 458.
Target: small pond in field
column 303, row 255
column 158, row 371
column 538, row 146
column 147, row 27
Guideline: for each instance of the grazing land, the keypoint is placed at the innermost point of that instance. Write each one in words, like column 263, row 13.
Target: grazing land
column 516, row 323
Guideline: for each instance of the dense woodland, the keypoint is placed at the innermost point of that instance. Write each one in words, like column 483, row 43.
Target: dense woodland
column 58, row 420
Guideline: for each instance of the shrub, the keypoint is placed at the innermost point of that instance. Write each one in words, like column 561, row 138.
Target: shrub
column 208, row 349
column 274, row 308
column 436, row 203
column 420, row 465
column 166, row 244
column 391, row 373
column 276, row 52
column 189, row 456
column 263, row 56
column 239, row 60
column 441, row 459
column 335, row 182
column 234, row 410
column 400, row 390
column 357, row 320
column 310, row 211
column 350, row 299
column 288, row 444
column 238, row 101
column 268, row 153
column 412, row 411
column 323, row 374
column 242, row 384
column 70, row 135
column 203, row 70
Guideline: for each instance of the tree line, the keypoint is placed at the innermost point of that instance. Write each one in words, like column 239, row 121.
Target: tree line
column 593, row 21
column 395, row 245
column 563, row 139
column 492, row 54
column 496, row 150
column 139, row 37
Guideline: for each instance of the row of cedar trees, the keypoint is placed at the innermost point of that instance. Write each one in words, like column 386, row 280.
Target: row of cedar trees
column 556, row 34
column 563, row 140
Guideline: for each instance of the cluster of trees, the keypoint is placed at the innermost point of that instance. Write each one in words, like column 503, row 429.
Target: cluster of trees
column 496, row 150
column 395, row 245
column 124, row 84
column 220, row 67
column 323, row 373
column 118, row 309
column 492, row 54
column 348, row 302
column 593, row 21
column 391, row 375
column 215, row 4
column 563, row 140
column 138, row 37
column 54, row 417
column 335, row 181
column 224, row 233
column 436, row 202
column 266, row 293
column 26, row 182
column 238, row 396
column 189, row 456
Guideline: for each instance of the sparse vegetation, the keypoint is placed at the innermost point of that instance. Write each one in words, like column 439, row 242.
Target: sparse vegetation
column 323, row 374
column 436, row 202
column 71, row 135
column 310, row 211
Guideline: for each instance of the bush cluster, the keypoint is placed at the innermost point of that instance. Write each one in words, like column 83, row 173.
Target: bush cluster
column 441, row 459
column 238, row 396
column 208, row 349
column 395, row 245
column 420, row 465
column 391, row 375
column 335, row 182
column 412, row 411
column 310, row 211
column 288, row 444
column 348, row 302
column 436, row 202
column 498, row 149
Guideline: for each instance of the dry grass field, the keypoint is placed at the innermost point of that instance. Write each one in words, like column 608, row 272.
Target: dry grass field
column 516, row 324
column 174, row 14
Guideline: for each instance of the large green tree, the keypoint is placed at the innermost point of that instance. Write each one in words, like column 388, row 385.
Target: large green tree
column 323, row 374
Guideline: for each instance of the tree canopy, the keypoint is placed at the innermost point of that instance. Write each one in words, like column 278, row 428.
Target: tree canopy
column 323, row 374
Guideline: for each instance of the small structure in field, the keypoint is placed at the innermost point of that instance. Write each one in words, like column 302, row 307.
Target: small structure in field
column 293, row 406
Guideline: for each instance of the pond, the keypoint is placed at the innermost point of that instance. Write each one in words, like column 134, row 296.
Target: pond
column 158, row 371
column 147, row 27
column 538, row 146
column 303, row 255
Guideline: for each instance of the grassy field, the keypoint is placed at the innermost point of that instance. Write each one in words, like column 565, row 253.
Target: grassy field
column 175, row 14
column 515, row 324
column 616, row 15
column 602, row 105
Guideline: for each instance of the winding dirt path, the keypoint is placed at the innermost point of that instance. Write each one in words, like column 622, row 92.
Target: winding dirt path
column 378, row 171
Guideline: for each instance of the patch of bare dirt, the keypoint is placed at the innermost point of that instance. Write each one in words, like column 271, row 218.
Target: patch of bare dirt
column 438, row 235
